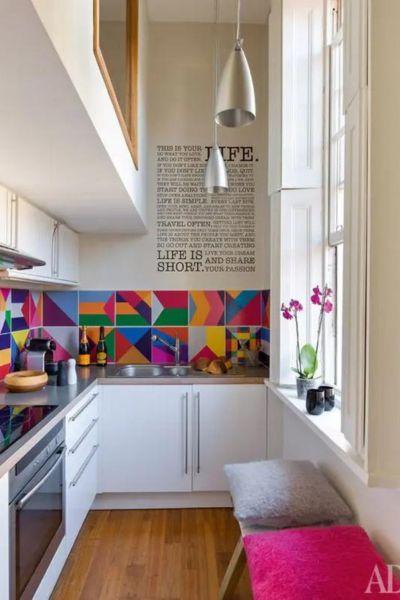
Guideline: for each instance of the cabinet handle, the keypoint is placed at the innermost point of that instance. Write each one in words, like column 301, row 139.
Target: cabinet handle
column 83, row 436
column 81, row 471
column 80, row 411
column 198, row 432
column 186, row 433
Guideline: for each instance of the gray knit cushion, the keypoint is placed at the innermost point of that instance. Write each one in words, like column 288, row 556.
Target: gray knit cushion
column 284, row 493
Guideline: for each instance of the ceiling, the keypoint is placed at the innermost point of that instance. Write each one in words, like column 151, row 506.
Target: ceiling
column 201, row 11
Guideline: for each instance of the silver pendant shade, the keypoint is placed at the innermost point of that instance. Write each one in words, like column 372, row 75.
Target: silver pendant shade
column 216, row 178
column 236, row 101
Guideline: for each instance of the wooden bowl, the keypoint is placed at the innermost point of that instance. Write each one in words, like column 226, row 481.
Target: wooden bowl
column 26, row 381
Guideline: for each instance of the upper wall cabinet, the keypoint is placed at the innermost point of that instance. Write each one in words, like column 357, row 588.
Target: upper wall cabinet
column 6, row 217
column 296, row 94
column 26, row 228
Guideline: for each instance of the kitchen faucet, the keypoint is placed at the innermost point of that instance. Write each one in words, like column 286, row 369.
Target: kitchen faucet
column 175, row 349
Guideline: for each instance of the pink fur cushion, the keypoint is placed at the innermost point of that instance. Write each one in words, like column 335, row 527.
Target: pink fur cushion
column 324, row 563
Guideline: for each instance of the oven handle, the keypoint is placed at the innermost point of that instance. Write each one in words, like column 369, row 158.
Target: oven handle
column 21, row 503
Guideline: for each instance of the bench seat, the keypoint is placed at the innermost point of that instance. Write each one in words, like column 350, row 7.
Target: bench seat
column 315, row 563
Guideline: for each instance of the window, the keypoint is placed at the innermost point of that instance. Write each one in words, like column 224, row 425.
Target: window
column 335, row 126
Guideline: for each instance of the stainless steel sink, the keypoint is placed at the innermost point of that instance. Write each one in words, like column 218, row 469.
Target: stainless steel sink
column 140, row 371
column 178, row 370
column 153, row 371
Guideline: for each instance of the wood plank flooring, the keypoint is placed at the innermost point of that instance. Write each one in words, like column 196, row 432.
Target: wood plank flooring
column 151, row 555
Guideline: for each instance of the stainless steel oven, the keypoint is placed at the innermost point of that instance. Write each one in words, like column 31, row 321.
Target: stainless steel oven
column 37, row 510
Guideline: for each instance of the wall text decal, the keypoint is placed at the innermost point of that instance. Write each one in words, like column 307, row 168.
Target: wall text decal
column 202, row 233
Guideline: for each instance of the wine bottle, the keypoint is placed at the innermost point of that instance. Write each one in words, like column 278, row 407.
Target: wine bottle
column 84, row 350
column 101, row 352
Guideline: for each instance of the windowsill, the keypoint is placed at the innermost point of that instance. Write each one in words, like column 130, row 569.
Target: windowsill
column 326, row 426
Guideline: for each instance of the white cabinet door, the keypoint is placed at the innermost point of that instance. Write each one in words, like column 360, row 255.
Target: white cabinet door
column 81, row 492
column 5, row 537
column 5, row 216
column 67, row 254
column 36, row 236
column 229, row 425
column 145, row 439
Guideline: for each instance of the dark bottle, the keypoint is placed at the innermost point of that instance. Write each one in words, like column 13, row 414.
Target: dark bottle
column 101, row 352
column 84, row 350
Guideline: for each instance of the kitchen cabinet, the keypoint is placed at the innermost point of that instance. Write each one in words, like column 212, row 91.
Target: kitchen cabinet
column 7, row 220
column 81, row 468
column 178, row 438
column 40, row 236
column 230, row 424
column 296, row 102
column 67, row 254
column 36, row 236
column 4, row 535
column 145, row 439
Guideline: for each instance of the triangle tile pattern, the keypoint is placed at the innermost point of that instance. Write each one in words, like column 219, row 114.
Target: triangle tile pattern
column 60, row 309
column 206, row 308
column 133, row 308
column 97, row 308
column 5, row 310
column 216, row 319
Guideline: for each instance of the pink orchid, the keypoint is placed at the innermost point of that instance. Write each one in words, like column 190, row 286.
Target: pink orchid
column 317, row 291
column 320, row 298
column 315, row 298
column 286, row 312
column 296, row 305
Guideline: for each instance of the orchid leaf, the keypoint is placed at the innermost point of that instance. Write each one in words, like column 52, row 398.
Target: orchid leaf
column 309, row 362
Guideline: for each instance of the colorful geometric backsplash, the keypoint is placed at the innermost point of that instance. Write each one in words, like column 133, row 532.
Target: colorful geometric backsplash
column 208, row 323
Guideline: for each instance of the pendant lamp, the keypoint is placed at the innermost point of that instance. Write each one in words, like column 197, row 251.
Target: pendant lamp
column 216, row 178
column 236, row 101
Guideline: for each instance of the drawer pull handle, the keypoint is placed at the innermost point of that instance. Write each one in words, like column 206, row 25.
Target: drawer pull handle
column 81, row 471
column 80, row 411
column 83, row 436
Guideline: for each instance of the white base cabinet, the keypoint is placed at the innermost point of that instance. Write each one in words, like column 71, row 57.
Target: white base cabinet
column 81, row 468
column 145, row 439
column 230, row 423
column 170, row 438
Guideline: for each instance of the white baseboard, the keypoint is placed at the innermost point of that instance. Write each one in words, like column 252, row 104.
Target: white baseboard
column 164, row 500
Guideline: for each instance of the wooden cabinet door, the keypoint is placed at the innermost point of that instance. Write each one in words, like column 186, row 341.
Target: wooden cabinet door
column 229, row 425
column 36, row 235
column 145, row 439
column 67, row 254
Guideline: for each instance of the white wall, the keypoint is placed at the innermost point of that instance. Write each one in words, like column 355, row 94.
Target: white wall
column 377, row 510
column 180, row 91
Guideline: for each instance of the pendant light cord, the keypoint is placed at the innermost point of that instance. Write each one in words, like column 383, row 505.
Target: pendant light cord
column 238, row 21
column 216, row 71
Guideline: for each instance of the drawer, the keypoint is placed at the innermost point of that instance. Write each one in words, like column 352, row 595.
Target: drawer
column 80, row 494
column 78, row 452
column 79, row 419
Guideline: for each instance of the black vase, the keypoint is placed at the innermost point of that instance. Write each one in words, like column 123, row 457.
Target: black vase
column 315, row 402
column 329, row 396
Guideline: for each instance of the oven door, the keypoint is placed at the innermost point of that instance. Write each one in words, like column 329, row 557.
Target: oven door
column 36, row 526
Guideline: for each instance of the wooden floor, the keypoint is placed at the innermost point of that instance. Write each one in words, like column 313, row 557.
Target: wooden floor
column 151, row 555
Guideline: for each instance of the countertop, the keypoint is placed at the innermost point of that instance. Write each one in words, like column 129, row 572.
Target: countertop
column 66, row 397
